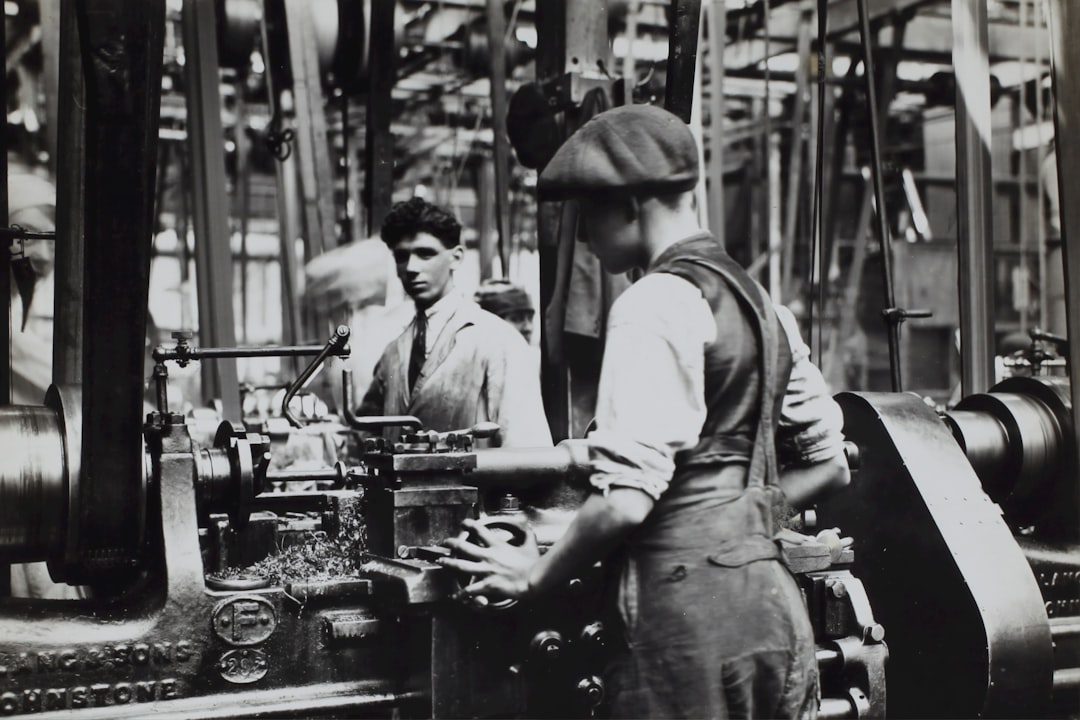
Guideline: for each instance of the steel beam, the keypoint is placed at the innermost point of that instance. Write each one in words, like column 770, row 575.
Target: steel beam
column 210, row 209
column 974, row 195
column 122, row 44
column 1065, row 24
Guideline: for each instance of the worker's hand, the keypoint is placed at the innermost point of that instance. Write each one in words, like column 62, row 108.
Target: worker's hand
column 497, row 568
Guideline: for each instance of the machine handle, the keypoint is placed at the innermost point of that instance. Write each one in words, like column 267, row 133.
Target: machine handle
column 517, row 535
column 372, row 422
column 337, row 345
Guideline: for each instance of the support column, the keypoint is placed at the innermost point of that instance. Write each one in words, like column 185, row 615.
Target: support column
column 210, row 209
column 378, row 140
column 974, row 221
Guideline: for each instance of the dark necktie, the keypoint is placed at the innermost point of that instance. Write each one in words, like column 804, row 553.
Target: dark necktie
column 419, row 348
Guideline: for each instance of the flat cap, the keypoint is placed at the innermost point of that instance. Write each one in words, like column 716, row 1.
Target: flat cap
column 636, row 148
column 501, row 297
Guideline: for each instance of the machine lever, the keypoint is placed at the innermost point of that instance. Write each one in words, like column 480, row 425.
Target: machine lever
column 338, row 344
column 373, row 422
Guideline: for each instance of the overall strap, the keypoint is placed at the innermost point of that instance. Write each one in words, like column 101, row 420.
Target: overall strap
column 763, row 464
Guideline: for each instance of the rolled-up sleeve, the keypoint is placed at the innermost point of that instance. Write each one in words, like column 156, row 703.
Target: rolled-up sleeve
column 811, row 423
column 651, row 397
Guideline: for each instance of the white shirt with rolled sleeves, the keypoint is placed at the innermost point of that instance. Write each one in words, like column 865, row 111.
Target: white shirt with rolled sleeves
column 651, row 399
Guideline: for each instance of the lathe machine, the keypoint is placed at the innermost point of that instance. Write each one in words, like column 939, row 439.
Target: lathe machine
column 959, row 597
column 182, row 629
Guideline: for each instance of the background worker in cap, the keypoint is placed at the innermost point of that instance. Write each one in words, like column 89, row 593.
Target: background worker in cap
column 455, row 365
column 683, row 460
column 510, row 302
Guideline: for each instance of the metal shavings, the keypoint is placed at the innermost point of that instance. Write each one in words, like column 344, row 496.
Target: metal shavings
column 317, row 557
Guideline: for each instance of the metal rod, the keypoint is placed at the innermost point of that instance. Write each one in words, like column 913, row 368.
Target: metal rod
column 374, row 422
column 794, row 180
column 717, row 18
column 329, row 474
column 17, row 232
column 974, row 195
column 191, row 354
column 818, row 221
column 334, row 346
column 1064, row 627
column 892, row 323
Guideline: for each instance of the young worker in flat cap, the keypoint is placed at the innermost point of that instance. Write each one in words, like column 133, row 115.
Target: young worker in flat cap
column 510, row 302
column 684, row 465
column 455, row 365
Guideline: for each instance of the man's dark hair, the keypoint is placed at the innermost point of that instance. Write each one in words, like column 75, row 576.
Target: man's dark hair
column 417, row 215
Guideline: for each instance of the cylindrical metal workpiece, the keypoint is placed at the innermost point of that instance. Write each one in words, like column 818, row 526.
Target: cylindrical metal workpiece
column 33, row 486
column 512, row 468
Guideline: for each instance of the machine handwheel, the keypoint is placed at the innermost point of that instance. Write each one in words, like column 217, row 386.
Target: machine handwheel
column 515, row 535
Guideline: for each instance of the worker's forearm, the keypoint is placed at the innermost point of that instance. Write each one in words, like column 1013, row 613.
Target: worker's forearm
column 803, row 486
column 601, row 523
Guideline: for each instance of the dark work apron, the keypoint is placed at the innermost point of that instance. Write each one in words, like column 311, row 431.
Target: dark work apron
column 714, row 623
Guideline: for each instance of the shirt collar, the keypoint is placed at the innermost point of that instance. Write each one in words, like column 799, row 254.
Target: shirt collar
column 446, row 305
